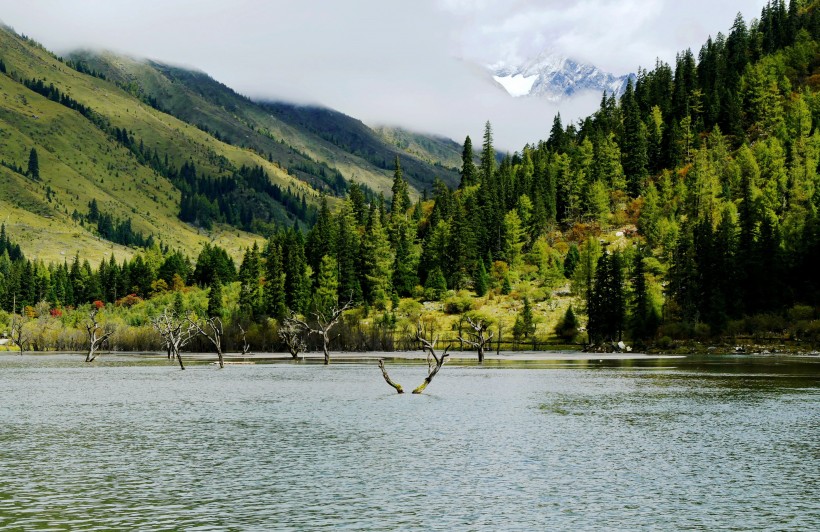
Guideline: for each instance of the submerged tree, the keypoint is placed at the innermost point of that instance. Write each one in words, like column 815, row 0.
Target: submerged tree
column 97, row 334
column 326, row 319
column 429, row 347
column 211, row 328
column 20, row 334
column 478, row 337
column 291, row 332
column 432, row 370
column 176, row 331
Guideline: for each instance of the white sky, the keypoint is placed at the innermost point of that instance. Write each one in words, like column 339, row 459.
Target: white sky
column 397, row 62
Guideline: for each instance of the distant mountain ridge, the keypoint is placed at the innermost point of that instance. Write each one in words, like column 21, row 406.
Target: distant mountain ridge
column 555, row 77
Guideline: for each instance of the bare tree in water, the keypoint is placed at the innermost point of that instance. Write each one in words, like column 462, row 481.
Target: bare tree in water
column 429, row 347
column 291, row 332
column 97, row 334
column 176, row 332
column 246, row 347
column 478, row 337
column 326, row 320
column 18, row 332
column 211, row 328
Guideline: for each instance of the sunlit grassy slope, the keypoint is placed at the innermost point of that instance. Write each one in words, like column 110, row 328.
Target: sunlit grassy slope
column 80, row 162
column 305, row 140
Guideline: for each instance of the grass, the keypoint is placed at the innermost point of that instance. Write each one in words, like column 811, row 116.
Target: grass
column 79, row 162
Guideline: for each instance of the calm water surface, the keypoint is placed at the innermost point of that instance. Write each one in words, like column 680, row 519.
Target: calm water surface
column 697, row 444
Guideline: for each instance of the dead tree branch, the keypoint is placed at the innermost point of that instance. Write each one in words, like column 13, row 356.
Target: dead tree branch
column 326, row 320
column 246, row 347
column 175, row 331
column 19, row 335
column 387, row 378
column 430, row 347
column 477, row 338
column 291, row 332
column 213, row 333
column 96, row 334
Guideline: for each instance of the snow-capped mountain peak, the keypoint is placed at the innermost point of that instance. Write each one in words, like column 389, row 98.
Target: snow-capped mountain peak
column 555, row 77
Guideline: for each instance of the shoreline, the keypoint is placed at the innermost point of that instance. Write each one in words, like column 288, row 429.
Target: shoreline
column 365, row 356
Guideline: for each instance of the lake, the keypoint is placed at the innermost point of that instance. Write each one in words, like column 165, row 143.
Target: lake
column 703, row 443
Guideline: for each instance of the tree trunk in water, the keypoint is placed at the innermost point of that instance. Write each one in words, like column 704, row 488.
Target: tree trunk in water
column 481, row 354
column 429, row 378
column 179, row 358
column 221, row 361
column 327, row 353
column 90, row 356
column 388, row 380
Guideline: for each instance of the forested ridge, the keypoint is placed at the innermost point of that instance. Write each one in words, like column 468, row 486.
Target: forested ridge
column 686, row 209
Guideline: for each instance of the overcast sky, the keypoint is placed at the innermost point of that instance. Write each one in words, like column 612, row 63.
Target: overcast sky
column 396, row 62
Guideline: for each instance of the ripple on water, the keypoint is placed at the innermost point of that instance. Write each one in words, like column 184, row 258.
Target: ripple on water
column 289, row 446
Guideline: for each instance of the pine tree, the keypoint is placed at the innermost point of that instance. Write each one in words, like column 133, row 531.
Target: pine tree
column 571, row 260
column 567, row 328
column 327, row 286
column 639, row 309
column 481, row 280
column 297, row 283
column 320, row 238
column 250, row 273
column 347, row 247
column 214, row 299
column 274, row 290
column 468, row 169
column 377, row 260
column 404, row 268
column 436, row 285
column 33, row 165
column 179, row 304
column 401, row 195
column 487, row 155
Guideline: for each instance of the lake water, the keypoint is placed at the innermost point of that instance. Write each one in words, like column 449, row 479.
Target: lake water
column 710, row 443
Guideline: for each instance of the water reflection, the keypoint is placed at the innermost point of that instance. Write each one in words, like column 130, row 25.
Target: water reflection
column 699, row 443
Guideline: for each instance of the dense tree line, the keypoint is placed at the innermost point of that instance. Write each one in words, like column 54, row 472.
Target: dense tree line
column 113, row 228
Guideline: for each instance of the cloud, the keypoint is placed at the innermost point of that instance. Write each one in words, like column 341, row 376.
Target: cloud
column 406, row 63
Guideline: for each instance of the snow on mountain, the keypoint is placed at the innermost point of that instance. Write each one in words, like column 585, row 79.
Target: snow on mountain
column 554, row 78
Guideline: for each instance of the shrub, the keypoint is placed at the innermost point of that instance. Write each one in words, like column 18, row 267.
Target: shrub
column 458, row 305
column 665, row 342
column 567, row 328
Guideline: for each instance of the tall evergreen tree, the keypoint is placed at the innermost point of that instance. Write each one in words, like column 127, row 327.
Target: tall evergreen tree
column 33, row 165
column 215, row 299
column 468, row 170
column 487, row 155
column 273, row 295
column 400, row 202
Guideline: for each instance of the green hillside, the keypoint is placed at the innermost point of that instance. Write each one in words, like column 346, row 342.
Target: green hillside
column 83, row 158
column 320, row 146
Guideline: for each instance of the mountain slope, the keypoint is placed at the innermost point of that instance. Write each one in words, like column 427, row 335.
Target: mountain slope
column 318, row 145
column 81, row 160
column 555, row 78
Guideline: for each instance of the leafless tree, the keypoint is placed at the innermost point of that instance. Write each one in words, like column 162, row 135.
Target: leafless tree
column 176, row 332
column 211, row 328
column 18, row 331
column 246, row 347
column 478, row 337
column 430, row 347
column 97, row 334
column 325, row 321
column 291, row 333
column 432, row 369
column 387, row 378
